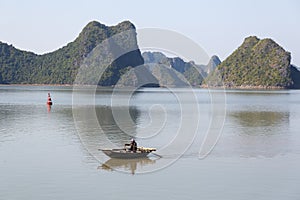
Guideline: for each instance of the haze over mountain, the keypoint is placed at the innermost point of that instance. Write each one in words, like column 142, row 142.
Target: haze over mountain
column 175, row 72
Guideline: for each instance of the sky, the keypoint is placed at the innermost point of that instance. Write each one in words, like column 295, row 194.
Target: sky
column 218, row 26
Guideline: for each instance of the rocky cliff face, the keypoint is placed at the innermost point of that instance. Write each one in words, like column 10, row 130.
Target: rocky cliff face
column 295, row 75
column 212, row 64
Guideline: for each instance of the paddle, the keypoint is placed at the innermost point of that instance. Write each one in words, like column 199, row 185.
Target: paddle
column 156, row 155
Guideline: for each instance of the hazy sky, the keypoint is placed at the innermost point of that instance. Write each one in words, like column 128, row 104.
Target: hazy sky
column 219, row 27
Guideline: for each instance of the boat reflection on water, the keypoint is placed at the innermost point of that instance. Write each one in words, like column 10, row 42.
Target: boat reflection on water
column 126, row 165
column 48, row 108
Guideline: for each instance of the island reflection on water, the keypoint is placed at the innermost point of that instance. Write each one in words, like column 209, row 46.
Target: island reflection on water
column 256, row 133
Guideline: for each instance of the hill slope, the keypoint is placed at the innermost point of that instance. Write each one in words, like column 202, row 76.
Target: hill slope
column 257, row 63
column 61, row 66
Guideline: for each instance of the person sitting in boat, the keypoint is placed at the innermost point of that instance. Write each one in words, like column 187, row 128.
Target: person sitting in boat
column 133, row 145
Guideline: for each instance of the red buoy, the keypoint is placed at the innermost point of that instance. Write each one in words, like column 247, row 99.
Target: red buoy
column 49, row 100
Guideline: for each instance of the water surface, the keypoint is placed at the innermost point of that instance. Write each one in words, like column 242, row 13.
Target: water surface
column 47, row 155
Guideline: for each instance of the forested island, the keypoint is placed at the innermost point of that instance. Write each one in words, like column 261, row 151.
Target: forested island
column 61, row 66
column 257, row 63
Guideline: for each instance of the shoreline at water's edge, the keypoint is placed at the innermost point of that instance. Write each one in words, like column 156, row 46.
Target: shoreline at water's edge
column 204, row 86
column 19, row 84
column 54, row 85
column 247, row 87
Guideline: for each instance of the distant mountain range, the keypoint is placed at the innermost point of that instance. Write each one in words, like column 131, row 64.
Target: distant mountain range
column 257, row 63
column 175, row 72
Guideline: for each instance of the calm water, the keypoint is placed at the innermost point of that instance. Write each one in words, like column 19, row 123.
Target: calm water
column 53, row 154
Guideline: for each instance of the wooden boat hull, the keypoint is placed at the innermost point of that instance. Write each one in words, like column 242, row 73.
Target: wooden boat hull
column 123, row 154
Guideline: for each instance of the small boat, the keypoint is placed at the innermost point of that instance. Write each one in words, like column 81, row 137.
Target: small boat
column 124, row 153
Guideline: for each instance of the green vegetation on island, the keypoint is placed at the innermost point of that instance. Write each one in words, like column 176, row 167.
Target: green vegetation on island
column 61, row 66
column 256, row 63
